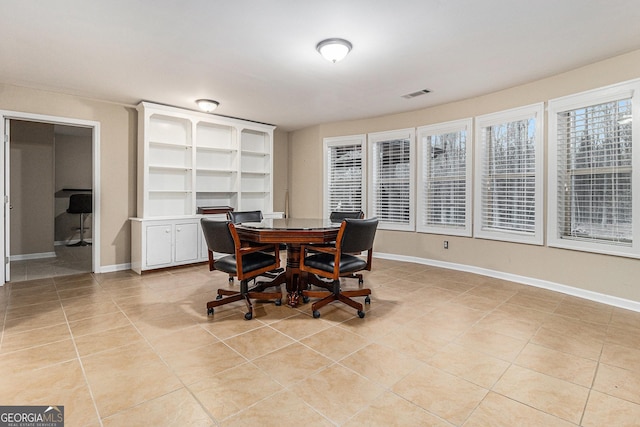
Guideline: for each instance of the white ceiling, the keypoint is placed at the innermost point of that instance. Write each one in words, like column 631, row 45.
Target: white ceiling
column 258, row 57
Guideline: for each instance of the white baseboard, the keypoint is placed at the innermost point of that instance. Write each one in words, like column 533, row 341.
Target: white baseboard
column 113, row 268
column 569, row 290
column 24, row 257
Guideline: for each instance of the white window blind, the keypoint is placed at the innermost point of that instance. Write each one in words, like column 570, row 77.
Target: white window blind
column 509, row 202
column 391, row 191
column 444, row 173
column 344, row 174
column 592, row 186
column 595, row 172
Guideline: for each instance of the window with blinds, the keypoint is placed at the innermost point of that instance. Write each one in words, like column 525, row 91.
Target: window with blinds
column 344, row 174
column 444, row 178
column 392, row 168
column 509, row 181
column 592, row 179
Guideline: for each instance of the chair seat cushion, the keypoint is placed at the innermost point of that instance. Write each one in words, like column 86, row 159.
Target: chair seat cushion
column 325, row 262
column 250, row 262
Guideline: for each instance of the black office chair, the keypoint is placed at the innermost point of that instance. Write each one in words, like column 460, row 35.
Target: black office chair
column 244, row 216
column 338, row 216
column 252, row 216
column 80, row 204
column 244, row 262
column 354, row 236
column 237, row 218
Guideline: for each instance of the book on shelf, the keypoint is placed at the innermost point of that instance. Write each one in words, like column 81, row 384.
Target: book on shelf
column 205, row 210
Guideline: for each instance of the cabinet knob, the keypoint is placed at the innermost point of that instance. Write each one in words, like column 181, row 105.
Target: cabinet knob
column 167, row 231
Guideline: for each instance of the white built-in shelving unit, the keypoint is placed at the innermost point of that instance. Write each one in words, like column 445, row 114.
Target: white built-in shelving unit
column 188, row 160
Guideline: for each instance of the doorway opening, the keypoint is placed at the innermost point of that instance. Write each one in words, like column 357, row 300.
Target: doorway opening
column 46, row 161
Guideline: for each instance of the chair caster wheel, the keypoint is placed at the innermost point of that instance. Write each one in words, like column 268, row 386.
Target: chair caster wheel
column 248, row 316
column 316, row 314
column 231, row 280
column 305, row 299
column 278, row 302
column 367, row 300
column 209, row 311
column 361, row 314
column 360, row 281
column 218, row 296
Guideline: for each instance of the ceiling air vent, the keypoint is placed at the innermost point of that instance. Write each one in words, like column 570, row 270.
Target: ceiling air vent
column 414, row 94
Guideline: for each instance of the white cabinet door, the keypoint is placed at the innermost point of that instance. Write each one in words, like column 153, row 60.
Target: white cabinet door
column 186, row 242
column 158, row 242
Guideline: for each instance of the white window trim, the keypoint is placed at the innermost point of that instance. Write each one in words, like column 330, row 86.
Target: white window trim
column 593, row 97
column 438, row 129
column 526, row 112
column 374, row 138
column 336, row 142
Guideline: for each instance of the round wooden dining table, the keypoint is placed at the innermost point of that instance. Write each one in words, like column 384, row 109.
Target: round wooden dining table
column 293, row 232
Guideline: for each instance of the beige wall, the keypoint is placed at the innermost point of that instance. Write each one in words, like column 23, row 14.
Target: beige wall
column 73, row 169
column 280, row 175
column 118, row 126
column 118, row 153
column 305, row 173
column 614, row 276
column 31, row 188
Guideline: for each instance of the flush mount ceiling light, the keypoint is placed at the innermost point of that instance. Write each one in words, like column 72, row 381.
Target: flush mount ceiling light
column 334, row 50
column 207, row 105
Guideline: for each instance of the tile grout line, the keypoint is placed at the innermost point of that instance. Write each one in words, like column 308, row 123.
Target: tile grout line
column 6, row 314
column 146, row 340
column 75, row 347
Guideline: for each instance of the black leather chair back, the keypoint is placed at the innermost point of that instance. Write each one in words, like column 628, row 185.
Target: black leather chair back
column 358, row 235
column 244, row 216
column 218, row 236
column 80, row 203
column 339, row 216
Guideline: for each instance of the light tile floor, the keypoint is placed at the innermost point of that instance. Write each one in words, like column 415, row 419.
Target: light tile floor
column 68, row 260
column 436, row 348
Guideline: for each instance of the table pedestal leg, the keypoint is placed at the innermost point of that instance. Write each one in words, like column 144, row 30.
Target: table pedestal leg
column 293, row 273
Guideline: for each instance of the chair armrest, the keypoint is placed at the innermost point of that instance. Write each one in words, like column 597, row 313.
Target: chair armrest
column 250, row 249
column 314, row 248
column 241, row 251
column 331, row 250
column 246, row 250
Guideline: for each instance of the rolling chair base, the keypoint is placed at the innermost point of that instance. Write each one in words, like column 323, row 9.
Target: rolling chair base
column 246, row 294
column 332, row 293
column 80, row 243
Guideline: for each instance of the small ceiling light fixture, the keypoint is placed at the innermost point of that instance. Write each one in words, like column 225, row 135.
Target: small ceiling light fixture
column 334, row 50
column 207, row 105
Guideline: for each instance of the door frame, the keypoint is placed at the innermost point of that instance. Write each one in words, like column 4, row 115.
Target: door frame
column 95, row 150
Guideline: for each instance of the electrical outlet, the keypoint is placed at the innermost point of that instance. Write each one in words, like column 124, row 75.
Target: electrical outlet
column 446, row 244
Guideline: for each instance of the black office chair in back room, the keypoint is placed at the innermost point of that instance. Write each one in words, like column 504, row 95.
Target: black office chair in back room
column 333, row 262
column 244, row 262
column 82, row 204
